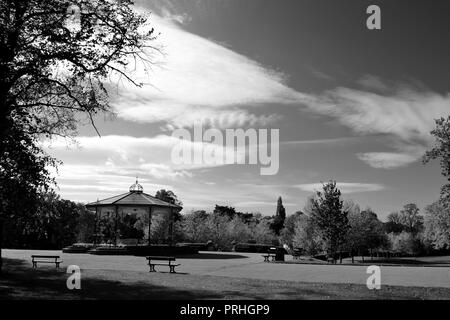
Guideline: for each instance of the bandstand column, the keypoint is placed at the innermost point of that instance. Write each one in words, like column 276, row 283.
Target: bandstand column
column 149, row 225
column 96, row 226
column 116, row 226
column 171, row 226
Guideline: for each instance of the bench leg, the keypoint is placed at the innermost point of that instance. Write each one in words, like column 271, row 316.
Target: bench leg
column 34, row 265
column 172, row 269
column 152, row 268
column 57, row 264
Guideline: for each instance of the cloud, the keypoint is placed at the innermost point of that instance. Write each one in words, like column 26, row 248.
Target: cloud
column 199, row 78
column 387, row 160
column 405, row 115
column 137, row 155
column 345, row 187
column 180, row 18
column 371, row 82
column 330, row 141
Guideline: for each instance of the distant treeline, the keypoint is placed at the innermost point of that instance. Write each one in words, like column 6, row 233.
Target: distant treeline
column 58, row 223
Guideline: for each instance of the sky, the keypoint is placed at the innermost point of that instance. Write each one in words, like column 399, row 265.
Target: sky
column 351, row 104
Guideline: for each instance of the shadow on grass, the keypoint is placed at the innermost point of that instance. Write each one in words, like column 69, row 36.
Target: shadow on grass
column 213, row 256
column 407, row 261
column 20, row 281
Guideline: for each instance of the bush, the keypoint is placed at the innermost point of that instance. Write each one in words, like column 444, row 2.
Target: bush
column 407, row 243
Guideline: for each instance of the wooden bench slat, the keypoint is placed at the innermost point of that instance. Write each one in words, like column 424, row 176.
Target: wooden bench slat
column 35, row 259
column 155, row 261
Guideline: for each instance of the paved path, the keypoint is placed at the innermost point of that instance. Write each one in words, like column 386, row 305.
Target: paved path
column 250, row 265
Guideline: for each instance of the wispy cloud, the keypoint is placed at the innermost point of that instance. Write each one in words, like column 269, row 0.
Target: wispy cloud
column 405, row 115
column 387, row 160
column 330, row 141
column 200, row 79
column 345, row 187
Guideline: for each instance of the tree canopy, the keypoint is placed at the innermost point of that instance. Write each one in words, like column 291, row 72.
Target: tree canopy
column 441, row 151
column 55, row 58
column 328, row 215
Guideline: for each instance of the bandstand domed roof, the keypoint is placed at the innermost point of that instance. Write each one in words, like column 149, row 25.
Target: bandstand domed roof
column 136, row 187
column 135, row 197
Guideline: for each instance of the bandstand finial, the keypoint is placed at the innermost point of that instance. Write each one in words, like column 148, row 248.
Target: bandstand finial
column 136, row 187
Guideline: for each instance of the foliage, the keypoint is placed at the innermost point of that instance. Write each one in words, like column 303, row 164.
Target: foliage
column 329, row 217
column 129, row 227
column 223, row 231
column 366, row 231
column 306, row 236
column 437, row 225
column 411, row 218
column 278, row 221
column 287, row 234
column 225, row 211
column 170, row 197
column 406, row 243
column 408, row 220
column 55, row 224
column 394, row 225
column 53, row 72
column 441, row 151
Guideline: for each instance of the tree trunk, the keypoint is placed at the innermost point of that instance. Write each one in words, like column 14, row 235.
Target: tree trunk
column 1, row 243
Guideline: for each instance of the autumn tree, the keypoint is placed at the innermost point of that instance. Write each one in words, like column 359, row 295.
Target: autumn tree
column 56, row 57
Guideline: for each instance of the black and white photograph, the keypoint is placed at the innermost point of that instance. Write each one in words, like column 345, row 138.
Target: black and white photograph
column 225, row 150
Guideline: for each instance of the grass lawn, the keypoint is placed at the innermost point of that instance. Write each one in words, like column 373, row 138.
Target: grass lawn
column 19, row 281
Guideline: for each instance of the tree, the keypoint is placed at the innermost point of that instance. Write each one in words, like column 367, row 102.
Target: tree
column 226, row 211
column 406, row 243
column 23, row 176
column 408, row 219
column 280, row 216
column 54, row 224
column 52, row 71
column 86, row 225
column 194, row 226
column 394, row 223
column 306, row 236
column 437, row 225
column 411, row 219
column 441, row 151
column 329, row 217
column 170, row 197
column 217, row 226
column 366, row 232
column 262, row 233
column 288, row 231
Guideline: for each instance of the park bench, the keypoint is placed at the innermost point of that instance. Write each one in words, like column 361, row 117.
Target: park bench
column 45, row 259
column 268, row 256
column 161, row 261
column 296, row 253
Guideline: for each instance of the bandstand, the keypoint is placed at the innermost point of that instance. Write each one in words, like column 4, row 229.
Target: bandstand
column 136, row 203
